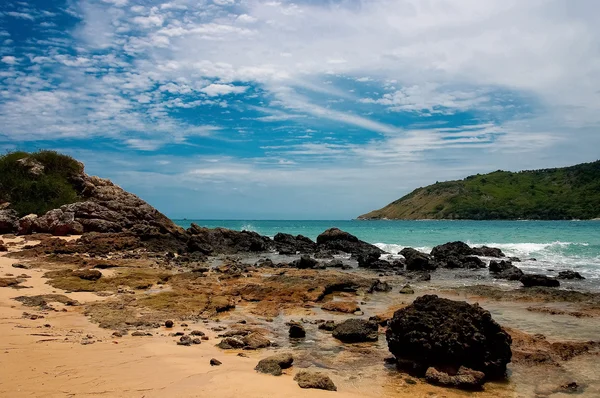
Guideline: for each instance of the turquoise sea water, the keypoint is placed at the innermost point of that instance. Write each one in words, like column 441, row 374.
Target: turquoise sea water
column 555, row 245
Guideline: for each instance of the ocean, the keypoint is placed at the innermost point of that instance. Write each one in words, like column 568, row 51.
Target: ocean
column 555, row 245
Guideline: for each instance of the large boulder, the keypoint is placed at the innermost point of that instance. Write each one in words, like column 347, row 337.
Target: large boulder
column 531, row 280
column 486, row 251
column 417, row 261
column 8, row 221
column 447, row 334
column 505, row 270
column 26, row 224
column 225, row 241
column 356, row 331
column 335, row 239
column 289, row 244
column 456, row 255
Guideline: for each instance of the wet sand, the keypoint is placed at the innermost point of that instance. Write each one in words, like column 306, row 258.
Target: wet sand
column 45, row 357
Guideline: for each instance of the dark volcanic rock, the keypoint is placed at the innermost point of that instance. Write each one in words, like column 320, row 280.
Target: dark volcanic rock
column 505, row 270
column 455, row 249
column 335, row 239
column 569, row 275
column 356, row 331
column 465, row 378
column 417, row 261
column 289, row 244
column 169, row 324
column 225, row 241
column 436, row 332
column 316, row 380
column 530, row 280
column 215, row 362
column 296, row 331
column 486, row 251
column 304, row 262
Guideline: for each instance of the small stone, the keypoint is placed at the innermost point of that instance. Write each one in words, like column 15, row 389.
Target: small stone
column 169, row 324
column 215, row 362
column 197, row 333
column 185, row 340
column 139, row 333
column 196, row 341
column 117, row 334
column 327, row 325
column 407, row 289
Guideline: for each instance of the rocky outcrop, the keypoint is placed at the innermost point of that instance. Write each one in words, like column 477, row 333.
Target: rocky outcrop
column 356, row 331
column 447, row 334
column 337, row 240
column 225, row 241
column 458, row 255
column 531, row 280
column 8, row 221
column 417, row 261
column 505, row 270
column 289, row 244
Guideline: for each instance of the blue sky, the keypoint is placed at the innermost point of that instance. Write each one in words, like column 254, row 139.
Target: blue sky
column 308, row 109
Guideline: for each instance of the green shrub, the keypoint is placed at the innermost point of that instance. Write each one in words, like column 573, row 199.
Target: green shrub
column 31, row 193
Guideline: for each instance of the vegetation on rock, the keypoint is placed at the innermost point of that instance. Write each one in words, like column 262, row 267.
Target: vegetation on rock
column 549, row 194
column 35, row 183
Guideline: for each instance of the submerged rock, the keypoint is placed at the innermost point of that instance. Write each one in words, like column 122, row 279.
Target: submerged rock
column 530, row 280
column 356, row 331
column 407, row 289
column 346, row 307
column 316, row 380
column 304, row 262
column 379, row 286
column 296, row 331
column 465, row 378
column 433, row 331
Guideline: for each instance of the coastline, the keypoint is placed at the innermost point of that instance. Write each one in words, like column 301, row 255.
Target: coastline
column 59, row 359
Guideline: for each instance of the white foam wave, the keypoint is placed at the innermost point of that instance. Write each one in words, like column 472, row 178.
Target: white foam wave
column 249, row 228
column 528, row 248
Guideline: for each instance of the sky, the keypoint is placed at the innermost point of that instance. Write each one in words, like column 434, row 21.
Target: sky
column 312, row 109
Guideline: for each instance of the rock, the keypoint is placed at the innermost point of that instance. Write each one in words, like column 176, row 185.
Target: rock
column 215, row 362
column 296, row 331
column 530, row 280
column 335, row 239
column 356, row 331
column 456, row 255
column 169, row 324
column 439, row 332
column 305, row 262
column 87, row 274
column 196, row 341
column 327, row 325
column 472, row 262
column 289, row 244
column 569, row 275
column 274, row 364
column 139, row 333
column 225, row 241
column 197, row 333
column 229, row 343
column 316, row 380
column 25, row 224
column 337, row 264
column 3, row 247
column 185, row 340
column 379, row 286
column 255, row 341
column 8, row 221
column 505, row 270
column 346, row 307
column 417, row 261
column 465, row 378
column 117, row 334
column 486, row 251
column 407, row 289
column 59, row 223
column 20, row 265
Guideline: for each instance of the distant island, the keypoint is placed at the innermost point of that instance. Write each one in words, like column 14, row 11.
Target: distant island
column 550, row 194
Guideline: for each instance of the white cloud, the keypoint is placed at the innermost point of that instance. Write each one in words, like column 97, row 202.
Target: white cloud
column 214, row 90
column 20, row 15
column 9, row 59
column 245, row 18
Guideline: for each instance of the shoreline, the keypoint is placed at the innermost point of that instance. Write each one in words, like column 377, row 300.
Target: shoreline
column 59, row 359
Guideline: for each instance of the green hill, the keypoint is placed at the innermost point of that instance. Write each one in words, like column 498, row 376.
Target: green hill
column 549, row 194
column 38, row 182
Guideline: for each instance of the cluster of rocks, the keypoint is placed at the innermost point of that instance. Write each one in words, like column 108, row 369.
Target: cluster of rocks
column 244, row 339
